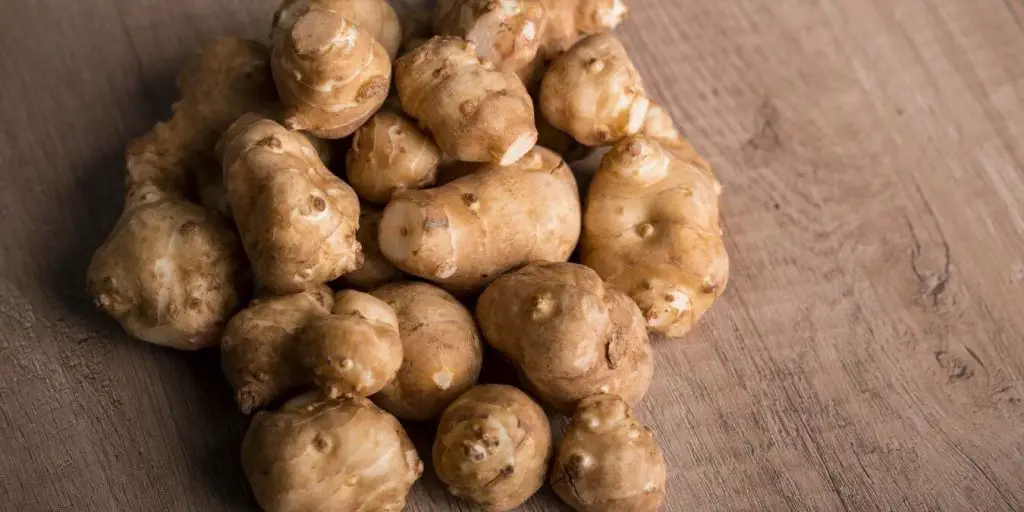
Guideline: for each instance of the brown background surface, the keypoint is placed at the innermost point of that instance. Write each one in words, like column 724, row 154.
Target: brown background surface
column 868, row 355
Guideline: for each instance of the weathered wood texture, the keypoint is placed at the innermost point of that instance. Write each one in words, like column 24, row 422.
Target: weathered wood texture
column 868, row 354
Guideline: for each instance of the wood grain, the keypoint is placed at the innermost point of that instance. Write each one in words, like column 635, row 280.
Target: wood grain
column 868, row 355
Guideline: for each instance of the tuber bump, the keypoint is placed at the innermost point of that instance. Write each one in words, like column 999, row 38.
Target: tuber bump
column 389, row 153
column 464, row 234
column 475, row 112
column 331, row 74
column 651, row 230
column 258, row 349
column 356, row 349
column 569, row 335
column 329, row 454
column 297, row 220
column 594, row 93
column 492, row 447
column 607, row 461
column 442, row 351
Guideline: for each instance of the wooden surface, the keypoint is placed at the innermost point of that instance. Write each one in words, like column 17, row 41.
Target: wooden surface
column 868, row 355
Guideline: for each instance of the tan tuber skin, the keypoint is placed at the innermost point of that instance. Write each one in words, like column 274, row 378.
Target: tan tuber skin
column 171, row 272
column 505, row 32
column 389, row 153
column 442, row 351
column 374, row 16
column 475, row 112
column 520, row 35
column 568, row 334
column 492, row 447
column 607, row 461
column 594, row 93
column 376, row 270
column 331, row 74
column 297, row 220
column 317, row 454
column 258, row 349
column 356, row 349
column 651, row 230
column 464, row 234
column 225, row 79
column 570, row 20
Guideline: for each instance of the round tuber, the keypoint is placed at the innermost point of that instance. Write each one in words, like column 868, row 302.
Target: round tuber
column 475, row 112
column 356, row 349
column 651, row 230
column 389, row 153
column 492, row 447
column 607, row 461
column 594, row 93
column 297, row 220
column 329, row 454
column 331, row 74
column 464, row 234
column 258, row 349
column 441, row 347
column 569, row 335
column 171, row 272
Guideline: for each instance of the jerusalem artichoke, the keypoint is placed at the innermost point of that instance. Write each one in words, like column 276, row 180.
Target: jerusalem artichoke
column 464, row 234
column 389, row 153
column 297, row 220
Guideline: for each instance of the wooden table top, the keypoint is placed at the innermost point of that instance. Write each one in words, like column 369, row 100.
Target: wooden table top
column 868, row 354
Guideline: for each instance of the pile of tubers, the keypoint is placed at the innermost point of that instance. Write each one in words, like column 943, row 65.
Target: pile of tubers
column 456, row 128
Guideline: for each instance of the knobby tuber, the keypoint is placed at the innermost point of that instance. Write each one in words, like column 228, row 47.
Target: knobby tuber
column 607, row 461
column 492, row 447
column 329, row 454
column 464, row 234
column 297, row 220
column 651, row 230
column 260, row 343
column 569, row 335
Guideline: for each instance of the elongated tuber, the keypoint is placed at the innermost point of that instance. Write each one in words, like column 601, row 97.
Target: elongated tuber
column 376, row 17
column 329, row 454
column 260, row 344
column 569, row 335
column 297, row 220
column 356, row 349
column 376, row 270
column 389, row 153
column 607, row 461
column 594, row 93
column 442, row 351
column 170, row 272
column 492, row 447
column 475, row 112
column 464, row 234
column 331, row 74
column 651, row 230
